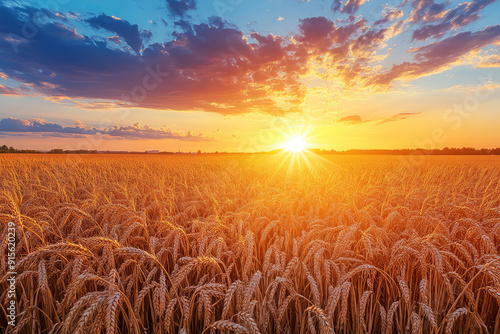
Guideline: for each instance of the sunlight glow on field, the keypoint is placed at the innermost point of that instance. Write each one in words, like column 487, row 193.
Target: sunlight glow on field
column 167, row 235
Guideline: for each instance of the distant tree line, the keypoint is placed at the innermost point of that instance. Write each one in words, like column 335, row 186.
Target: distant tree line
column 6, row 149
column 444, row 151
column 58, row 150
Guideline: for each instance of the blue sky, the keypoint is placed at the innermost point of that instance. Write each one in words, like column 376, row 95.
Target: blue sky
column 176, row 74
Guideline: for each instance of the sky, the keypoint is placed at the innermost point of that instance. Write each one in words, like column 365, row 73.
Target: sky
column 240, row 75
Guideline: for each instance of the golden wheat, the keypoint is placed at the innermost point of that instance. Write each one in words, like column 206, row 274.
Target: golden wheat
column 245, row 244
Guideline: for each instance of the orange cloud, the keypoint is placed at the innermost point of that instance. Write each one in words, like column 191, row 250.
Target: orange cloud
column 356, row 119
column 9, row 91
column 490, row 61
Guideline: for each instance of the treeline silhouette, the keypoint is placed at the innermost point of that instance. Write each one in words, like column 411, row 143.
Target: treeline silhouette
column 444, row 151
column 6, row 149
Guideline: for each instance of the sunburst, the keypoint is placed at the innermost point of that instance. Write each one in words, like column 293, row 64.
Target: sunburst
column 295, row 144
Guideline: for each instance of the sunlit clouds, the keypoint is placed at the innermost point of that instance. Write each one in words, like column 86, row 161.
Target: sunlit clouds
column 306, row 64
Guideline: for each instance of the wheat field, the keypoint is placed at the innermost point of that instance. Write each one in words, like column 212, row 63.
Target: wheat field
column 252, row 244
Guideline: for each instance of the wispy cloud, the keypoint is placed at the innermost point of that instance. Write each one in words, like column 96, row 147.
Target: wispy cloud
column 136, row 131
column 397, row 117
column 9, row 91
column 439, row 55
column 353, row 119
column 489, row 61
column 428, row 11
column 357, row 119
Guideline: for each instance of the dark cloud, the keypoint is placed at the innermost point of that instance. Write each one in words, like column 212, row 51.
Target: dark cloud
column 427, row 11
column 36, row 125
column 319, row 34
column 184, row 25
column 136, row 131
column 317, row 29
column 367, row 43
column 436, row 56
column 129, row 32
column 146, row 35
column 180, row 7
column 462, row 15
column 115, row 39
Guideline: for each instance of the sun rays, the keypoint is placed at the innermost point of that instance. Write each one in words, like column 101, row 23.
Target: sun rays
column 296, row 144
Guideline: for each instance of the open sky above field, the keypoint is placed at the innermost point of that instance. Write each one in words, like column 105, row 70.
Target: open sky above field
column 241, row 75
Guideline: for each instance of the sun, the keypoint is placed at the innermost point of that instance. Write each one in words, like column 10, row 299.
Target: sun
column 296, row 144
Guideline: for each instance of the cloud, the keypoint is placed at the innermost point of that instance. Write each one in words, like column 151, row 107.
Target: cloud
column 463, row 89
column 180, row 7
column 357, row 119
column 87, row 69
column 127, row 31
column 448, row 20
column 353, row 119
column 98, row 105
column 487, row 62
column 318, row 32
column 390, row 16
column 439, row 55
column 137, row 131
column 39, row 125
column 146, row 35
column 320, row 35
column 9, row 91
column 215, row 67
column 350, row 6
column 397, row 117
column 204, row 66
column 427, row 11
column 114, row 39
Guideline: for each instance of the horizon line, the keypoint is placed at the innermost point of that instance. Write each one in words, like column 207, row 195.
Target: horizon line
column 405, row 151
